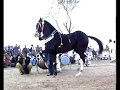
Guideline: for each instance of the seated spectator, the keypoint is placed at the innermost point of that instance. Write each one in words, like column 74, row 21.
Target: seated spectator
column 6, row 60
column 24, row 65
column 33, row 60
column 25, row 50
column 38, row 49
column 13, row 61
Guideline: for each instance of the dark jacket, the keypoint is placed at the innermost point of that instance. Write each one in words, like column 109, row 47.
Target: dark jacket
column 14, row 60
column 27, row 60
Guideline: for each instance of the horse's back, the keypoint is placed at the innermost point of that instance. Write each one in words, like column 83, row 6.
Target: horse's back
column 81, row 42
column 80, row 37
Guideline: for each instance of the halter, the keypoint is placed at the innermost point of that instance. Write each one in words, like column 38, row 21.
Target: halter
column 42, row 27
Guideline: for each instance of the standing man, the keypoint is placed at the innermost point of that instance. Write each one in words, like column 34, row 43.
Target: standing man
column 51, row 61
column 16, row 50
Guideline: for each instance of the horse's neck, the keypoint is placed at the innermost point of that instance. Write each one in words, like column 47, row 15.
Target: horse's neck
column 50, row 26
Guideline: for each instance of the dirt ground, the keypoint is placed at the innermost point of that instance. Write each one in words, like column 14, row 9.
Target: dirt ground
column 100, row 75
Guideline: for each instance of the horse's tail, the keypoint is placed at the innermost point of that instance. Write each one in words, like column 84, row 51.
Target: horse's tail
column 99, row 43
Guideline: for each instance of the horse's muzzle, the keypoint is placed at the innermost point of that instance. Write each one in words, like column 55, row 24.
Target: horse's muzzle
column 40, row 38
column 36, row 34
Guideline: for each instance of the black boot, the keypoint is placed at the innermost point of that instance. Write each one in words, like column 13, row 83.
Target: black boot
column 50, row 74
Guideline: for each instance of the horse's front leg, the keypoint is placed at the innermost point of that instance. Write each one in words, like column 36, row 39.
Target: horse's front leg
column 81, row 68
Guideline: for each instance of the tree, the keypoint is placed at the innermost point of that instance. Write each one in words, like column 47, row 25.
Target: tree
column 68, row 6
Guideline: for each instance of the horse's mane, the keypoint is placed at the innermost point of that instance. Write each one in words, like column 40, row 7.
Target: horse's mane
column 49, row 25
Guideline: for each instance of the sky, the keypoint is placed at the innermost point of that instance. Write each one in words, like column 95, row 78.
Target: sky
column 94, row 17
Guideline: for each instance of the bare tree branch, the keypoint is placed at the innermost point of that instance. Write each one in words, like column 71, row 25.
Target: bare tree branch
column 57, row 24
column 70, row 23
column 72, row 28
column 65, row 24
column 68, row 6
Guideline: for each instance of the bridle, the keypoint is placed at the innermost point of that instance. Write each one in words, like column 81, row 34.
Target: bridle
column 39, row 25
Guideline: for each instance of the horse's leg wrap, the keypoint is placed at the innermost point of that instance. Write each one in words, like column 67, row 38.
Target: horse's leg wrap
column 81, row 65
column 81, row 68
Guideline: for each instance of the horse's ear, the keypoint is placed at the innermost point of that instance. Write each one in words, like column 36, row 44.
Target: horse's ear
column 41, row 19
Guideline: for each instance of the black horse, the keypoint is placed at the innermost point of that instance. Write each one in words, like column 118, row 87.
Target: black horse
column 61, row 43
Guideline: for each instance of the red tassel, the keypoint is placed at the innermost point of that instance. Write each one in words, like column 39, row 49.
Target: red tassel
column 42, row 27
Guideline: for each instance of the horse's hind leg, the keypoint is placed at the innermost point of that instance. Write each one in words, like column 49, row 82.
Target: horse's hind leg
column 82, row 58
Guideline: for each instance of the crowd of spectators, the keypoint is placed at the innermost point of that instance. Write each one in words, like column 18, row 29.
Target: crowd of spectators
column 11, row 53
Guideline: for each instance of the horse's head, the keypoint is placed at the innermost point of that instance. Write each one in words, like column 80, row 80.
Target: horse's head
column 43, row 29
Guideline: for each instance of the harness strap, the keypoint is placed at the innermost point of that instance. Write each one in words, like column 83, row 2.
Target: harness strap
column 50, row 37
column 52, row 34
column 69, row 39
column 60, row 39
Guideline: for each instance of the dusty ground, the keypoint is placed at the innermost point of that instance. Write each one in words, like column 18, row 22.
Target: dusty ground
column 100, row 75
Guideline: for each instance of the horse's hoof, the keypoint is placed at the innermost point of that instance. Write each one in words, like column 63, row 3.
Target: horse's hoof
column 86, row 65
column 78, row 74
column 54, row 76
